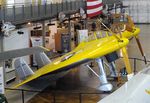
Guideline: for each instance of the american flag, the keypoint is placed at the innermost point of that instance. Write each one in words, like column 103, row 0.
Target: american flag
column 94, row 7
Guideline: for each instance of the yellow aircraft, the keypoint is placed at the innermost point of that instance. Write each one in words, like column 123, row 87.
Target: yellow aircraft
column 84, row 52
column 128, row 27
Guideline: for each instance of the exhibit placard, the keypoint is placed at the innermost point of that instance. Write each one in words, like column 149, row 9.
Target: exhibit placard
column 82, row 35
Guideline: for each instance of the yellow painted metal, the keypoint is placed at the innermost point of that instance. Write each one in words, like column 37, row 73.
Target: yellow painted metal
column 130, row 32
column 89, row 50
column 147, row 91
column 127, row 34
column 39, row 2
column 85, row 50
column 126, row 60
column 2, row 2
column 95, row 35
column 107, row 34
column 33, row 2
column 101, row 35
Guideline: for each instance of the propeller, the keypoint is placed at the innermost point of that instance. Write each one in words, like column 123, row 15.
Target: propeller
column 126, row 60
column 127, row 63
column 123, row 50
column 129, row 26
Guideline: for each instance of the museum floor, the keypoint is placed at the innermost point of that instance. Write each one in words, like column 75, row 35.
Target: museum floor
column 81, row 84
column 74, row 86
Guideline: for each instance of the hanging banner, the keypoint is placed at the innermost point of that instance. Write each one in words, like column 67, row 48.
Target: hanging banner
column 94, row 7
column 1, row 80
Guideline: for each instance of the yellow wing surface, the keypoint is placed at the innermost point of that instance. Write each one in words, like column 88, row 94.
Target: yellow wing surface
column 133, row 33
column 84, row 52
column 129, row 34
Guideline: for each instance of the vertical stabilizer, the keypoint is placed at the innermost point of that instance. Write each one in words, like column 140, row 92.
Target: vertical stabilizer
column 42, row 59
column 22, row 68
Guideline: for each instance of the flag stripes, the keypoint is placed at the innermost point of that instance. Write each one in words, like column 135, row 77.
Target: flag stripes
column 94, row 7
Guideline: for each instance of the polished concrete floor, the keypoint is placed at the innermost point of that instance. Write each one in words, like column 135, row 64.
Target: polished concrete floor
column 81, row 80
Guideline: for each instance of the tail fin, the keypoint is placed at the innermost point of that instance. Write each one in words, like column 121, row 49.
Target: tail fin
column 42, row 59
column 22, row 68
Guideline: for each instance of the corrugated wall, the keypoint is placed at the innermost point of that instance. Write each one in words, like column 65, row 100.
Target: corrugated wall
column 11, row 2
column 139, row 10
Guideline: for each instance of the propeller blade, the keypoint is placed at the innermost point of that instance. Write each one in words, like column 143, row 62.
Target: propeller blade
column 140, row 48
column 127, row 63
column 126, row 60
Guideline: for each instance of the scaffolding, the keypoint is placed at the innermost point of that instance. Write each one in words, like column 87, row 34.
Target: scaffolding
column 27, row 12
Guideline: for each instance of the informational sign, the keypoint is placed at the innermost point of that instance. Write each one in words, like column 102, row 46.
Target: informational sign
column 1, row 80
column 36, row 41
column 82, row 35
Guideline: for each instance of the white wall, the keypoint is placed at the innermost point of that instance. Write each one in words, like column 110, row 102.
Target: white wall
column 16, row 41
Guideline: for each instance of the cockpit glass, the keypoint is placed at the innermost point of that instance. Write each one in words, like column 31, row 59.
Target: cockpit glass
column 67, row 57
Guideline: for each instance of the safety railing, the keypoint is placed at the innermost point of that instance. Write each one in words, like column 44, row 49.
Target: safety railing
column 135, row 63
column 22, row 13
column 79, row 94
column 55, row 93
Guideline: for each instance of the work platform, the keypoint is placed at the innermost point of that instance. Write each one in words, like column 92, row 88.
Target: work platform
column 23, row 13
column 29, row 12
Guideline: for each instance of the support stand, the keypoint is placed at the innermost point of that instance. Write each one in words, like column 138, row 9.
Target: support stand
column 111, row 60
column 113, row 71
column 104, row 85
